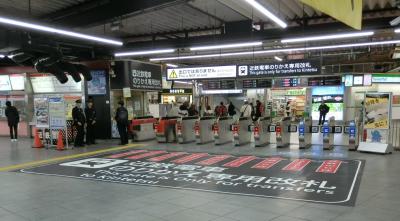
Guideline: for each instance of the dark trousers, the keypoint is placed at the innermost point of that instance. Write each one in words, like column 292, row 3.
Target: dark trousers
column 123, row 133
column 321, row 118
column 80, row 135
column 90, row 131
column 13, row 131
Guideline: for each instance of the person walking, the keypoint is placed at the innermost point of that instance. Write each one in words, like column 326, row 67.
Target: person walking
column 13, row 120
column 323, row 110
column 245, row 110
column 259, row 110
column 221, row 110
column 79, row 123
column 90, row 113
column 192, row 110
column 288, row 109
column 121, row 116
column 231, row 109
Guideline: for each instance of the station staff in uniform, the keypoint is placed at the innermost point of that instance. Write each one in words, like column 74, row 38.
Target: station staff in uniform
column 90, row 113
column 79, row 123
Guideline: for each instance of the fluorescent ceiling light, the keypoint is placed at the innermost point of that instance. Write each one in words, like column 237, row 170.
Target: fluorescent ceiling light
column 57, row 31
column 183, row 82
column 278, row 58
column 2, row 56
column 397, row 30
column 327, row 37
column 232, row 91
column 135, row 53
column 267, row 13
column 172, row 65
column 236, row 45
column 273, row 51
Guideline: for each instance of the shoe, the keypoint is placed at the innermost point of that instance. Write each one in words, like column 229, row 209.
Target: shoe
column 15, row 140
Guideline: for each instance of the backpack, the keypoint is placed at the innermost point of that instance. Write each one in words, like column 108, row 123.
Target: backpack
column 122, row 115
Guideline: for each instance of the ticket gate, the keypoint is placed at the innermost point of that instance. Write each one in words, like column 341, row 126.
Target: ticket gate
column 352, row 132
column 141, row 128
column 328, row 135
column 165, row 130
column 222, row 130
column 305, row 133
column 203, row 130
column 283, row 133
column 261, row 132
column 241, row 131
column 185, row 129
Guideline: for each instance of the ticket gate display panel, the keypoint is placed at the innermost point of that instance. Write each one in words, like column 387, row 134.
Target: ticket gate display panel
column 261, row 132
column 165, row 130
column 283, row 133
column 203, row 130
column 222, row 130
column 185, row 129
column 142, row 128
column 305, row 133
column 241, row 132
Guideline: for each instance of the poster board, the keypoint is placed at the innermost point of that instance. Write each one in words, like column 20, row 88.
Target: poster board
column 57, row 112
column 377, row 120
column 41, row 107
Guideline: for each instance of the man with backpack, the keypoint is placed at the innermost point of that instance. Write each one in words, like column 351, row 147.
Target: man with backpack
column 221, row 110
column 121, row 116
column 323, row 110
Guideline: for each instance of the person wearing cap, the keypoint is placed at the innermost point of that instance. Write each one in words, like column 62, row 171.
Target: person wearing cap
column 79, row 123
column 90, row 113
column 121, row 116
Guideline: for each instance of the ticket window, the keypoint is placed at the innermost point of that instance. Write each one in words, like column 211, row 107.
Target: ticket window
column 169, row 99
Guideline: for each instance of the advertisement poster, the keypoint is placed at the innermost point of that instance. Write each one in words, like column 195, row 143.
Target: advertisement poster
column 377, row 136
column 70, row 104
column 41, row 106
column 97, row 86
column 57, row 113
column 377, row 111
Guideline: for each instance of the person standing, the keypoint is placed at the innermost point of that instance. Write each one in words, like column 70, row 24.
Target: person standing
column 192, row 110
column 79, row 123
column 245, row 110
column 90, row 113
column 121, row 116
column 323, row 110
column 288, row 109
column 231, row 109
column 259, row 110
column 221, row 110
column 13, row 120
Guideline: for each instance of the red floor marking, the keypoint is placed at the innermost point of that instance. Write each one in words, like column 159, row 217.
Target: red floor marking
column 166, row 156
column 148, row 154
column 329, row 166
column 297, row 165
column 189, row 158
column 239, row 161
column 213, row 160
column 126, row 154
column 267, row 163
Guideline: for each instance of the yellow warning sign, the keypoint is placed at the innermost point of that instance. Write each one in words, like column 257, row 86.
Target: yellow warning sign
column 173, row 74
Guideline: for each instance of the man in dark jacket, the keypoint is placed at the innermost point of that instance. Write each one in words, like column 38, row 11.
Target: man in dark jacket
column 231, row 109
column 79, row 123
column 323, row 110
column 121, row 116
column 259, row 110
column 13, row 120
column 90, row 113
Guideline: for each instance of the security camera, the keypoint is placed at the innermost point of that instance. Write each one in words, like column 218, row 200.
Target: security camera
column 395, row 21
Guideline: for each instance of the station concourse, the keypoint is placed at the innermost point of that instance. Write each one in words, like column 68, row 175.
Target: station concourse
column 203, row 110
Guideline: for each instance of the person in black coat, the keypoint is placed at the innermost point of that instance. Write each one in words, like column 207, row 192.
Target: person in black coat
column 79, row 123
column 13, row 120
column 90, row 113
column 121, row 116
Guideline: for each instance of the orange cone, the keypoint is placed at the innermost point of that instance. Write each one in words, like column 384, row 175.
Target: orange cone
column 37, row 143
column 60, row 141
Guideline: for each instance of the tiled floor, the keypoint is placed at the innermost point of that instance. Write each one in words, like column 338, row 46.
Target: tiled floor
column 35, row 197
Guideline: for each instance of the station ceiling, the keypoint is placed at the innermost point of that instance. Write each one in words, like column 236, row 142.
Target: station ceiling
column 144, row 24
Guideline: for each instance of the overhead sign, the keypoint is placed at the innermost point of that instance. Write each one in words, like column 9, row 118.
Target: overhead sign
column 385, row 78
column 312, row 180
column 279, row 69
column 219, row 85
column 211, row 72
column 177, row 91
column 145, row 79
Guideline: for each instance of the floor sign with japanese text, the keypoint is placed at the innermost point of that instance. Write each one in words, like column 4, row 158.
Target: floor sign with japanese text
column 311, row 180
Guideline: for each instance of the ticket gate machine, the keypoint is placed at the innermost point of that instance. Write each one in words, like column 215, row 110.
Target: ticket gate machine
column 261, row 131
column 328, row 134
column 241, row 132
column 305, row 133
column 165, row 130
column 352, row 131
column 222, row 130
column 203, row 130
column 185, row 129
column 283, row 133
column 141, row 128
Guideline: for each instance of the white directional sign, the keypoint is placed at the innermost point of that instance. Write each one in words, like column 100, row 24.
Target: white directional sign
column 201, row 73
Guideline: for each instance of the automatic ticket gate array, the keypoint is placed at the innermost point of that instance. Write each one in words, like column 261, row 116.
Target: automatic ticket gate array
column 282, row 131
column 165, row 129
column 241, row 131
column 185, row 129
column 142, row 128
column 222, row 130
column 204, row 130
column 261, row 131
